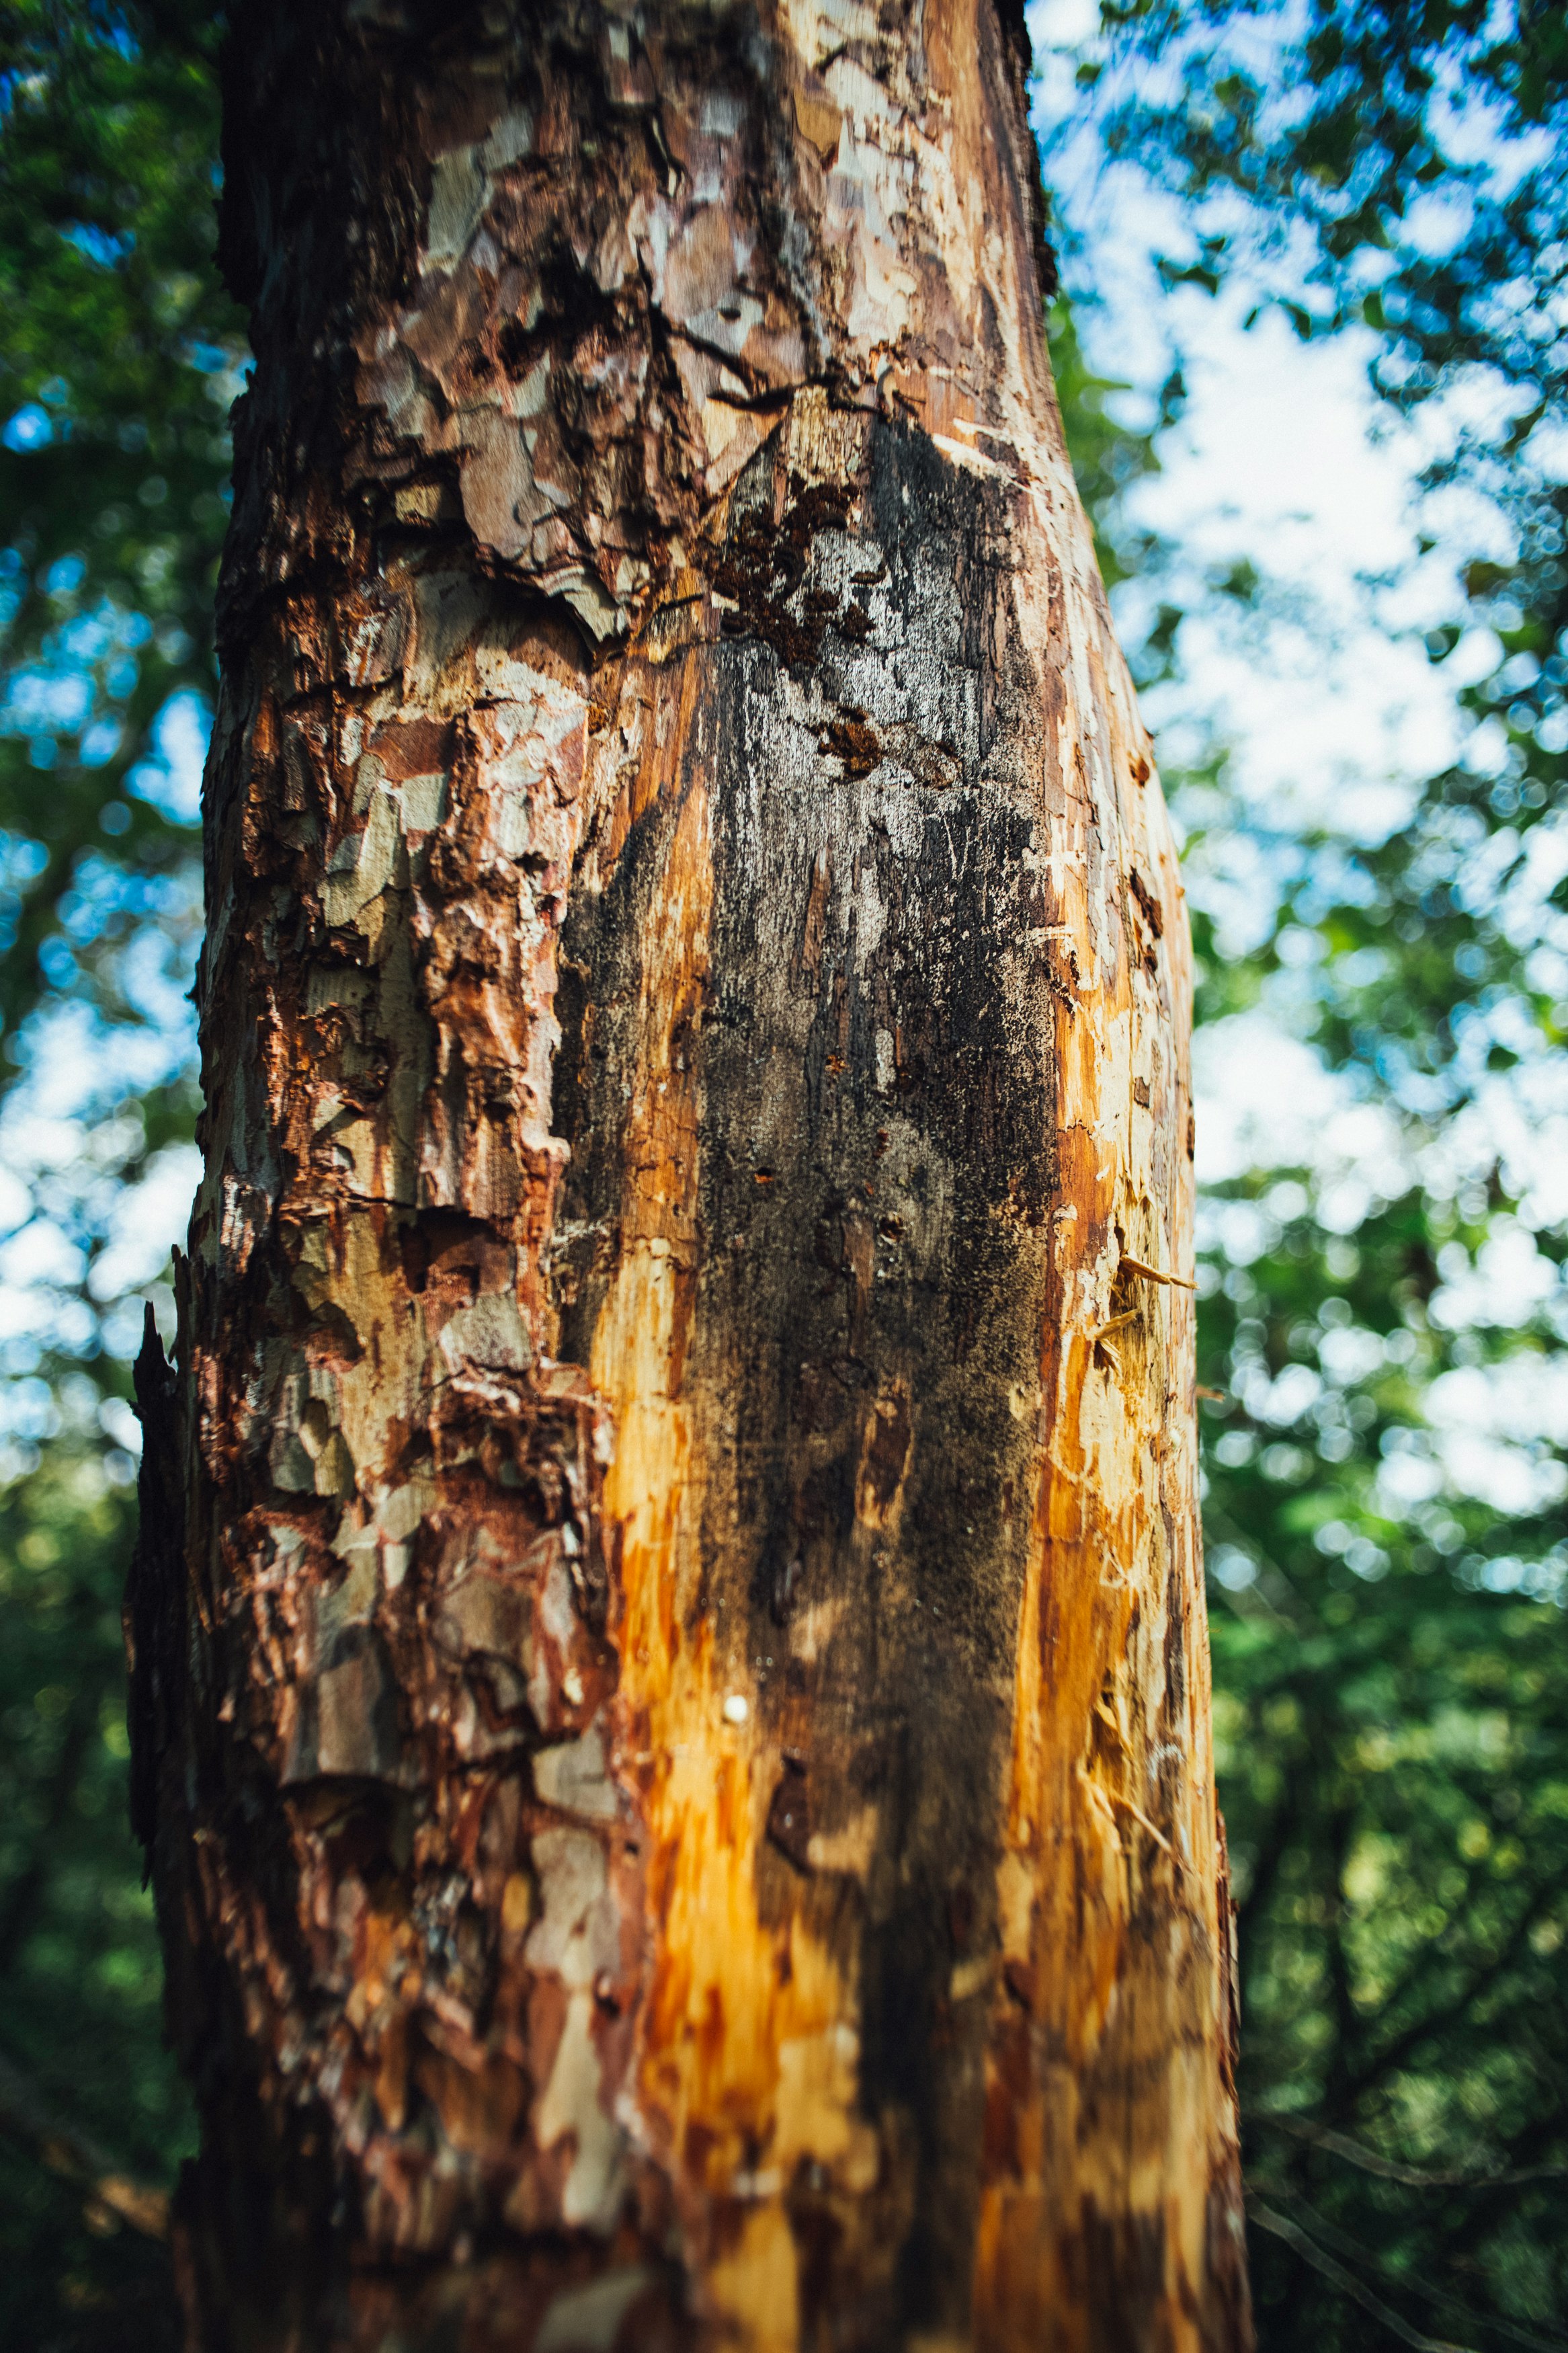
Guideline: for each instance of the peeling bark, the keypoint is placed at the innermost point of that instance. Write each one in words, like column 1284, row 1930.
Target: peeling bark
column 669, row 1667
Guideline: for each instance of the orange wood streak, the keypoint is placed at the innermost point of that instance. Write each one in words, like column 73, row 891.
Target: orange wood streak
column 748, row 2036
column 1111, row 2136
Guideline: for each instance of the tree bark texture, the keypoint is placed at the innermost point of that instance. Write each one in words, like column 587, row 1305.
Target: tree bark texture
column 670, row 1678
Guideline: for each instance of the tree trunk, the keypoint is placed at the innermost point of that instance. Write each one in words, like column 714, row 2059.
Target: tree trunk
column 670, row 1677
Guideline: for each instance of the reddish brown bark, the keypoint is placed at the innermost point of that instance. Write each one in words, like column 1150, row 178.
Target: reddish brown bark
column 670, row 1677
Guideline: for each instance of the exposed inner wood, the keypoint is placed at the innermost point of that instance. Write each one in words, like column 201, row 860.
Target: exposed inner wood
column 670, row 1679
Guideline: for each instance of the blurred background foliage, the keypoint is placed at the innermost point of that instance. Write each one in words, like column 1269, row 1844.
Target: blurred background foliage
column 119, row 356
column 1391, row 1677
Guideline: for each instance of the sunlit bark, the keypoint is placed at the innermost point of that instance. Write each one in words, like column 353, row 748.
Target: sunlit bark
column 670, row 1673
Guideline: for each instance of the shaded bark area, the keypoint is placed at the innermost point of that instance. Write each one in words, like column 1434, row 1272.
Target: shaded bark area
column 669, row 1674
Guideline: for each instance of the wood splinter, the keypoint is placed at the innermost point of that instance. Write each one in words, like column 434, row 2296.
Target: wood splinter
column 1152, row 1274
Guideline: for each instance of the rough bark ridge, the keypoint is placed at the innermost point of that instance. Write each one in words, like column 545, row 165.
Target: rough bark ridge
column 672, row 1713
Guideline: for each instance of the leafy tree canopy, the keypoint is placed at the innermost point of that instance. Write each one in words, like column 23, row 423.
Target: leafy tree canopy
column 119, row 360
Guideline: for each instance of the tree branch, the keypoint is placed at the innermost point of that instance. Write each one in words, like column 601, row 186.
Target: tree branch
column 1346, row 2282
column 1423, row 2029
column 1412, row 2177
column 25, row 2115
column 1341, row 2243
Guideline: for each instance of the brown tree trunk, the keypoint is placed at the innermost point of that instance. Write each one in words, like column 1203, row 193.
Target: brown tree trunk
column 670, row 1662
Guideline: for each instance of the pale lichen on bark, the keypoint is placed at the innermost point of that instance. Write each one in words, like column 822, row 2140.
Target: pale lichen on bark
column 670, row 1676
